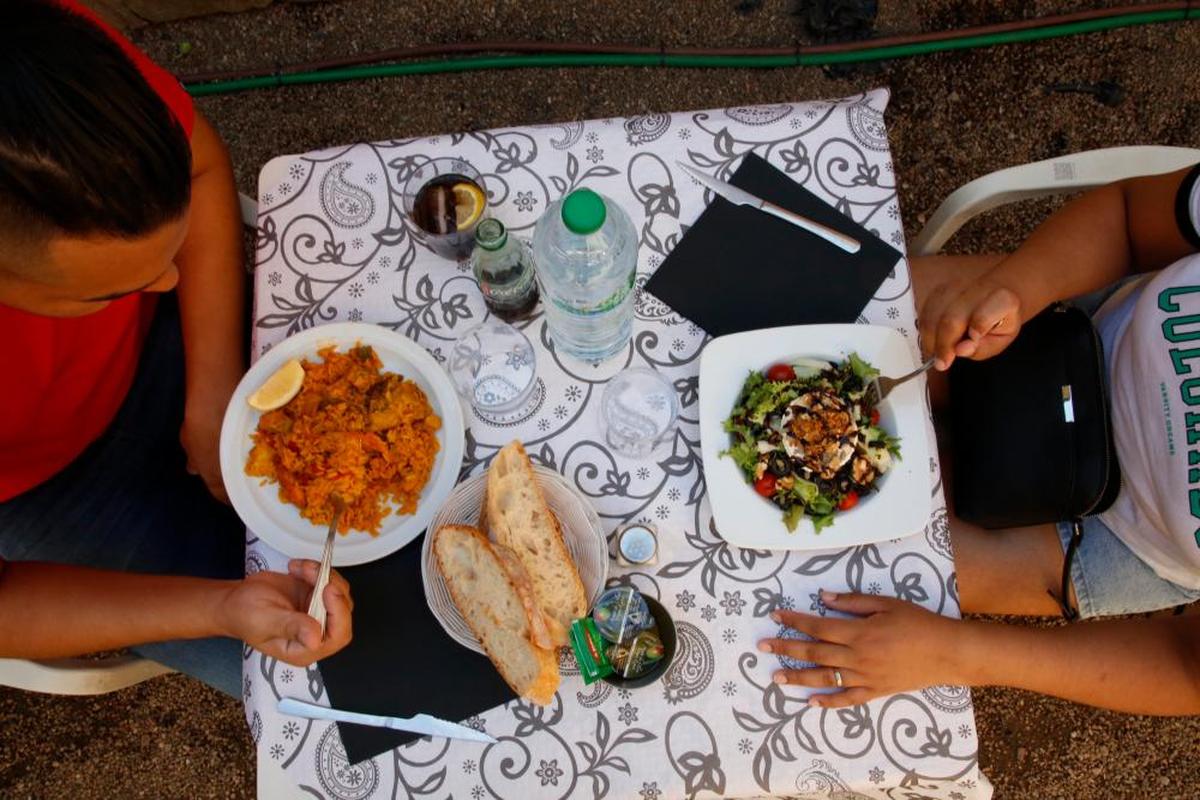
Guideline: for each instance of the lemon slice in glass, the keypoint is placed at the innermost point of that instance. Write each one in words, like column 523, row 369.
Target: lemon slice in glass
column 469, row 203
column 280, row 388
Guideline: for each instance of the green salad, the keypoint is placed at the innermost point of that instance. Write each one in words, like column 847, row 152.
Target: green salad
column 806, row 435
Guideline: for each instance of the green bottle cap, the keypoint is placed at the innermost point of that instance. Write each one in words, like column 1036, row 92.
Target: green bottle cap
column 490, row 234
column 583, row 212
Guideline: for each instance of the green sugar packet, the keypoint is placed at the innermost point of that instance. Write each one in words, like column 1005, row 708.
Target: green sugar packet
column 588, row 646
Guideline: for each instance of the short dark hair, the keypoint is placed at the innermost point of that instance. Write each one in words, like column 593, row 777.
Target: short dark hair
column 86, row 145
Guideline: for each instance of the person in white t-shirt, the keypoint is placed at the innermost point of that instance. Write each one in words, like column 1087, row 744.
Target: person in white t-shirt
column 1132, row 251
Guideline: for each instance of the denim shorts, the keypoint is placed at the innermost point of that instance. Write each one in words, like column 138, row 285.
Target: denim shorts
column 1109, row 579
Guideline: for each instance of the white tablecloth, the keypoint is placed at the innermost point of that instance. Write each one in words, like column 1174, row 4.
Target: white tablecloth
column 333, row 244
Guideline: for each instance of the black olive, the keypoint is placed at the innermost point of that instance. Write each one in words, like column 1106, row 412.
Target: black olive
column 779, row 465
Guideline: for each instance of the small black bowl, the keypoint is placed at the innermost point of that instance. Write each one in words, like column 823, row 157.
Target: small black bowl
column 666, row 634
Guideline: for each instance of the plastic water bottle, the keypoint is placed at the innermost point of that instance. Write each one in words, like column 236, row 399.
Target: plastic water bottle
column 585, row 254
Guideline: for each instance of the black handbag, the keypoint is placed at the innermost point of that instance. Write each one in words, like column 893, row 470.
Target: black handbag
column 1031, row 433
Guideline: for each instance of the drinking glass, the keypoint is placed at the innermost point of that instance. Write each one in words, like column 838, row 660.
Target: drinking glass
column 428, row 202
column 494, row 367
column 638, row 410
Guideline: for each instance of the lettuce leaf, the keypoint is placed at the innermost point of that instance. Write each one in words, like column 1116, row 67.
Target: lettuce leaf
column 744, row 454
column 804, row 491
column 892, row 443
column 767, row 398
column 792, row 517
column 820, row 506
column 862, row 369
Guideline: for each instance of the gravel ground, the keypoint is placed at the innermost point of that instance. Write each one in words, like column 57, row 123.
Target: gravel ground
column 952, row 117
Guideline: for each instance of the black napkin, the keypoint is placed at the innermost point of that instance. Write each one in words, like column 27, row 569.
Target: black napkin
column 739, row 269
column 400, row 661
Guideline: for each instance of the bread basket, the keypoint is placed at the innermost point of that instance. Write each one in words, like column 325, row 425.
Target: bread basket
column 581, row 528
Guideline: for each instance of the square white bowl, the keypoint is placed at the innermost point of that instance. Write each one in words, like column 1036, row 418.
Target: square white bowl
column 902, row 502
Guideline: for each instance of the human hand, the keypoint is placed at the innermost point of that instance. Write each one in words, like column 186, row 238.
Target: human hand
column 200, row 436
column 268, row 611
column 969, row 319
column 893, row 646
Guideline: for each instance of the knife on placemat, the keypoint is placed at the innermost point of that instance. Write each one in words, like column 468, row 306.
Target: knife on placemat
column 421, row 723
column 741, row 197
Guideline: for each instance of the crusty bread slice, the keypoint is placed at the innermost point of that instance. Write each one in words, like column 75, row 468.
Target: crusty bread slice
column 492, row 606
column 483, row 511
column 539, row 631
column 520, row 519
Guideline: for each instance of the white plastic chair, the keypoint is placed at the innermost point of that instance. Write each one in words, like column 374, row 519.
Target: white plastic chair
column 78, row 675
column 83, row 676
column 1054, row 176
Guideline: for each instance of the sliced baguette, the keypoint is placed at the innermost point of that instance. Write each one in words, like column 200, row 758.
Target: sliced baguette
column 491, row 603
column 539, row 631
column 519, row 518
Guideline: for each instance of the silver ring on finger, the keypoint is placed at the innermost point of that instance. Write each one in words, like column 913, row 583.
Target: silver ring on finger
column 837, row 678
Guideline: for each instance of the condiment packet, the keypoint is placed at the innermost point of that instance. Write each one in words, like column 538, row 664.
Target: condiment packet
column 589, row 648
column 637, row 656
column 620, row 613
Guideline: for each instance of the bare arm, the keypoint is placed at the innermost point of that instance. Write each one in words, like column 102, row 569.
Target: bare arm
column 53, row 610
column 1096, row 239
column 211, row 294
column 1141, row 666
column 1092, row 241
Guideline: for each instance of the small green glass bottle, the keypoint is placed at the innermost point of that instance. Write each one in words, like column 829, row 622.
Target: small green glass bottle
column 504, row 268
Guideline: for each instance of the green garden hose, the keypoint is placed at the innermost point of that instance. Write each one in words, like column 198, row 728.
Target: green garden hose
column 800, row 58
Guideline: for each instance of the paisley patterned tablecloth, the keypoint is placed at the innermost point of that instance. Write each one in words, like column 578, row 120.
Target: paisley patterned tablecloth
column 333, row 244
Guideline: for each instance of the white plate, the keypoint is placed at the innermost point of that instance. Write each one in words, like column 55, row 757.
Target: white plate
column 582, row 531
column 901, row 504
column 279, row 523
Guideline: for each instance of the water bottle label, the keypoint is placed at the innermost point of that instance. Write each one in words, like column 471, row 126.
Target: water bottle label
column 607, row 304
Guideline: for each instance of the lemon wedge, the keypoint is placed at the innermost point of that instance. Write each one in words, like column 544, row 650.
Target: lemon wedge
column 280, row 388
column 469, row 203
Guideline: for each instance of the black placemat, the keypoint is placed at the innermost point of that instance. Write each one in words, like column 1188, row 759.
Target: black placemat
column 739, row 269
column 400, row 661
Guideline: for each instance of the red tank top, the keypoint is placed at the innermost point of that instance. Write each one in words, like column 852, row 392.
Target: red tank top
column 65, row 378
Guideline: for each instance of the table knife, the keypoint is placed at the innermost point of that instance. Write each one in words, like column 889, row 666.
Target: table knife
column 421, row 723
column 741, row 197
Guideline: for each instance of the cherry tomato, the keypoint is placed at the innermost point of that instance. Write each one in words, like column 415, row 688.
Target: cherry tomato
column 874, row 416
column 848, row 502
column 765, row 485
column 780, row 373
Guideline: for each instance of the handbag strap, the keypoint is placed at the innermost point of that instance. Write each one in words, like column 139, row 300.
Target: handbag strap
column 1064, row 598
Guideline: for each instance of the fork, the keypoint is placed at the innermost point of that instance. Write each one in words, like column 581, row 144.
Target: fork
column 883, row 386
column 316, row 606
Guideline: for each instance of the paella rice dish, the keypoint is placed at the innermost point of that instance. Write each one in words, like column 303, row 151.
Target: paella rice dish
column 366, row 435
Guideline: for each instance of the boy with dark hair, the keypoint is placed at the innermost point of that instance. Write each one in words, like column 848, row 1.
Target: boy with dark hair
column 113, row 191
